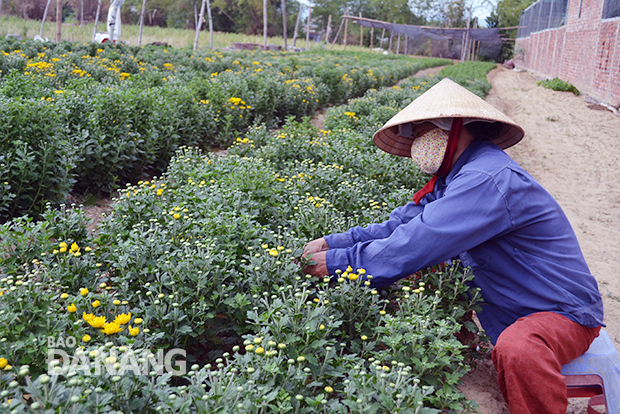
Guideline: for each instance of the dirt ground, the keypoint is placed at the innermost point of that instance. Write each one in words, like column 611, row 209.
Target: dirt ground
column 570, row 147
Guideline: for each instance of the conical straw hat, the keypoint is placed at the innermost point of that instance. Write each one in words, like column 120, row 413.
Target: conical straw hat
column 447, row 99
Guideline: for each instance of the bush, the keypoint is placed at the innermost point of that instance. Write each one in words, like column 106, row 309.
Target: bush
column 557, row 84
column 36, row 160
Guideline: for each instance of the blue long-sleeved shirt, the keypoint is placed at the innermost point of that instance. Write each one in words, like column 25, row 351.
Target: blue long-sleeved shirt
column 499, row 221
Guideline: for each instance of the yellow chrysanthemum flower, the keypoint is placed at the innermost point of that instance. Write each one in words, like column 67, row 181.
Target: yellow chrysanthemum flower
column 75, row 248
column 133, row 331
column 86, row 338
column 83, row 291
column 123, row 318
column 138, row 321
column 111, row 328
column 97, row 322
column 64, row 296
column 71, row 308
column 96, row 304
column 3, row 363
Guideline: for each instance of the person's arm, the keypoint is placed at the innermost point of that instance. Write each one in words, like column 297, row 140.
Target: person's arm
column 399, row 216
column 472, row 211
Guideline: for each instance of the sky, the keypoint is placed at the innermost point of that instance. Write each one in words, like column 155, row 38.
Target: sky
column 483, row 11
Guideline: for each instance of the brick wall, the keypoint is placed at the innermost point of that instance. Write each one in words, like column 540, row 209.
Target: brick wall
column 584, row 52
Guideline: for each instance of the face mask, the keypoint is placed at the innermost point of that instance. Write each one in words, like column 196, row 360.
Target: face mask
column 427, row 151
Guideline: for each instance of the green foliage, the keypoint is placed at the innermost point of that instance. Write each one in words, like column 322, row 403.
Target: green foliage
column 206, row 257
column 103, row 115
column 558, row 84
column 471, row 75
column 35, row 158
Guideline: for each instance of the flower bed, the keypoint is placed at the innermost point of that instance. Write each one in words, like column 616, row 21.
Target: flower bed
column 205, row 259
column 90, row 117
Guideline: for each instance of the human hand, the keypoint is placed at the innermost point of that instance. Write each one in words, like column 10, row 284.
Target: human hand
column 315, row 246
column 320, row 268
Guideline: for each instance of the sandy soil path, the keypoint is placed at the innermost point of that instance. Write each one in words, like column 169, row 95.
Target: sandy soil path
column 571, row 147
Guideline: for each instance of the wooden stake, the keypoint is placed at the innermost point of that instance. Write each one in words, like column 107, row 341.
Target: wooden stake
column 391, row 37
column 284, row 23
column 346, row 27
column 382, row 37
column 142, row 22
column 201, row 19
column 210, row 24
column 47, row 6
column 58, row 20
column 372, row 36
column 466, row 45
column 361, row 35
column 329, row 29
column 296, row 29
column 308, row 27
column 265, row 24
column 96, row 19
column 337, row 34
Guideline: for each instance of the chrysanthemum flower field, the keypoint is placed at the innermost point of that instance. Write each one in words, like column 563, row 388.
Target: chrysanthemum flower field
column 188, row 297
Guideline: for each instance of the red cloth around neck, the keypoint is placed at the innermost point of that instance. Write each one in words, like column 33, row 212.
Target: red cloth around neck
column 446, row 164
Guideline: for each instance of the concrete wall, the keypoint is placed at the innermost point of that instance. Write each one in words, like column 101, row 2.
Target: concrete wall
column 584, row 52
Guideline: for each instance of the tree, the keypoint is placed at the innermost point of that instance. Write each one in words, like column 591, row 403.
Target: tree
column 507, row 14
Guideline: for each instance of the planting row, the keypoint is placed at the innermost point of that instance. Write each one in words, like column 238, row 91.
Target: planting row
column 90, row 117
column 206, row 259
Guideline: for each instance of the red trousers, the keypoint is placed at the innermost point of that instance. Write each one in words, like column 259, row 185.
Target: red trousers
column 529, row 355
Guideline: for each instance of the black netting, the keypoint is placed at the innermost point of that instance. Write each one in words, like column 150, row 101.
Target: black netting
column 543, row 15
column 440, row 42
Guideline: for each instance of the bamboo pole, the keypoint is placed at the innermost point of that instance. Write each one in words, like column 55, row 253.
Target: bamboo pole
column 296, row 29
column 47, row 5
column 96, row 19
column 329, row 28
column 284, row 23
column 210, row 24
column 201, row 19
column 361, row 35
column 337, row 34
column 265, row 24
column 308, row 27
column 372, row 36
column 391, row 37
column 58, row 21
column 464, row 50
column 346, row 27
column 142, row 22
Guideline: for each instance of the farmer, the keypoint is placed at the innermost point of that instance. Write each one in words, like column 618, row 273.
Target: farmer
column 542, row 307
